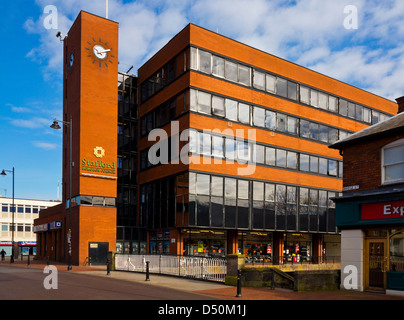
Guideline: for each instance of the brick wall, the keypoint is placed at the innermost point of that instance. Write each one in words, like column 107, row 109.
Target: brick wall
column 362, row 163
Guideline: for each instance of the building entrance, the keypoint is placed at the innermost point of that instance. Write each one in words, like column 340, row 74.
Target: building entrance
column 98, row 252
column 376, row 264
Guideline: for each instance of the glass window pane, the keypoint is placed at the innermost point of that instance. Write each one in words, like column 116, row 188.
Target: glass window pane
column 359, row 113
column 292, row 90
column 304, row 95
column 351, row 110
column 218, row 106
column 323, row 166
column 333, row 135
column 230, row 188
column 313, row 164
column 304, row 196
column 305, row 128
column 375, row 116
column 292, row 160
column 304, row 162
column 217, row 186
column 244, row 113
column 243, row 151
column 194, row 58
column 280, row 193
column 343, row 107
column 242, row 189
column 217, row 146
column 282, row 87
column 322, row 100
column 332, row 103
column 230, row 149
column 314, row 98
column 269, row 192
column 258, row 191
column 291, row 194
column 394, row 172
column 218, row 66
column 292, row 125
column 323, row 133
column 270, row 156
column 314, row 131
column 230, row 70
column 259, row 117
column 259, row 151
column 270, row 121
column 202, row 184
column 332, row 168
column 366, row 115
column 205, row 143
column 204, row 102
column 270, row 83
column 281, row 122
column 394, row 155
column 231, row 109
column 205, row 62
column 244, row 75
column 280, row 158
column 259, row 80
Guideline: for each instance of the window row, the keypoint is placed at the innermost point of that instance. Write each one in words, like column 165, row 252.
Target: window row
column 203, row 102
column 19, row 208
column 20, row 227
column 235, row 203
column 211, row 64
column 204, row 143
column 92, row 201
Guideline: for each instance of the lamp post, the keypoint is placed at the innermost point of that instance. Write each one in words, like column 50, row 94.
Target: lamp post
column 56, row 126
column 3, row 173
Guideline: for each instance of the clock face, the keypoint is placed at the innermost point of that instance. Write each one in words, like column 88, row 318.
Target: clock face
column 71, row 60
column 100, row 52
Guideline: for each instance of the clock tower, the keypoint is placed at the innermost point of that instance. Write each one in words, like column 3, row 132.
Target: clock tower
column 90, row 102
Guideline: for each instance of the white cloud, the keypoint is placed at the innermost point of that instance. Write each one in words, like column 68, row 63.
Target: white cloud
column 45, row 145
column 34, row 123
column 307, row 32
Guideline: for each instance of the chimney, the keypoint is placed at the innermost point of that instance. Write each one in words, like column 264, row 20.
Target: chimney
column 400, row 102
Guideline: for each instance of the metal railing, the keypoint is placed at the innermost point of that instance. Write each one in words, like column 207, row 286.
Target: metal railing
column 204, row 268
column 268, row 260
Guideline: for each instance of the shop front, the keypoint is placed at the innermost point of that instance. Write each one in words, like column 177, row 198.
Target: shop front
column 200, row 242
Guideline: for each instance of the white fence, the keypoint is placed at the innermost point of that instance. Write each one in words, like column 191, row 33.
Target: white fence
column 205, row 268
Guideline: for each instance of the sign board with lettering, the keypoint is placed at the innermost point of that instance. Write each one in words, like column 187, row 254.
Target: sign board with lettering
column 383, row 210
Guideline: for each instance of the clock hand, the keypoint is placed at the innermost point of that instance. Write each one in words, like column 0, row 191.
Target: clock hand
column 105, row 51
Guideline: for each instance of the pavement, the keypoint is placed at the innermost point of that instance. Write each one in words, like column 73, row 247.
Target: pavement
column 210, row 289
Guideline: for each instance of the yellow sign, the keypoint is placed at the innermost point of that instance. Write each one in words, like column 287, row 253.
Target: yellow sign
column 99, row 152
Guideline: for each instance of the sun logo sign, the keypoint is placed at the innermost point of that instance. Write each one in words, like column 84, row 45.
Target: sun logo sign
column 99, row 152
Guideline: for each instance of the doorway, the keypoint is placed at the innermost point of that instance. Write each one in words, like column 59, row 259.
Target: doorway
column 376, row 264
column 98, row 252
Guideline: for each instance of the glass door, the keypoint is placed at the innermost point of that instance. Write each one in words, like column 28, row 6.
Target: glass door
column 376, row 264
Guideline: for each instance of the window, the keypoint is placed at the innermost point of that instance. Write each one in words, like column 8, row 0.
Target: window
column 230, row 149
column 205, row 62
column 243, row 151
column 270, row 156
column 282, row 87
column 217, row 146
column 205, row 144
column 280, row 158
column 259, row 80
column 231, row 109
column 292, row 125
column 244, row 113
column 270, row 83
column 4, row 227
column 393, row 162
column 218, row 66
column 332, row 104
column 218, row 106
column 4, row 208
column 292, row 160
column 304, row 95
column 259, row 117
column 270, row 121
column 204, row 102
column 230, row 71
column 292, row 90
column 244, row 75
column 322, row 100
column 259, row 154
column 281, row 122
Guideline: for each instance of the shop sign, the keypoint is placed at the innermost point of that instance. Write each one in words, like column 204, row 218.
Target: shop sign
column 5, row 243
column 55, row 225
column 383, row 210
column 98, row 166
column 27, row 243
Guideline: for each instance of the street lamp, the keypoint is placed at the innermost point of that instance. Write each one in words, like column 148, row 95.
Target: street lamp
column 3, row 173
column 56, row 126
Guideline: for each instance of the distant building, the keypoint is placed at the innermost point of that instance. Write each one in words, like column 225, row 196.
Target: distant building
column 370, row 213
column 25, row 213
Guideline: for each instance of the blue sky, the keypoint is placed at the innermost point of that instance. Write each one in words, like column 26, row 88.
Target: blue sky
column 308, row 32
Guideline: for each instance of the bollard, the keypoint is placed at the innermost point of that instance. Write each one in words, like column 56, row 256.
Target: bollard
column 108, row 267
column 28, row 262
column 47, row 261
column 238, row 284
column 147, row 271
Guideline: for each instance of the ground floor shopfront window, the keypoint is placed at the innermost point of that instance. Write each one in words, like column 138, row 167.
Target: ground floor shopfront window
column 205, row 243
column 298, row 248
column 256, row 246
